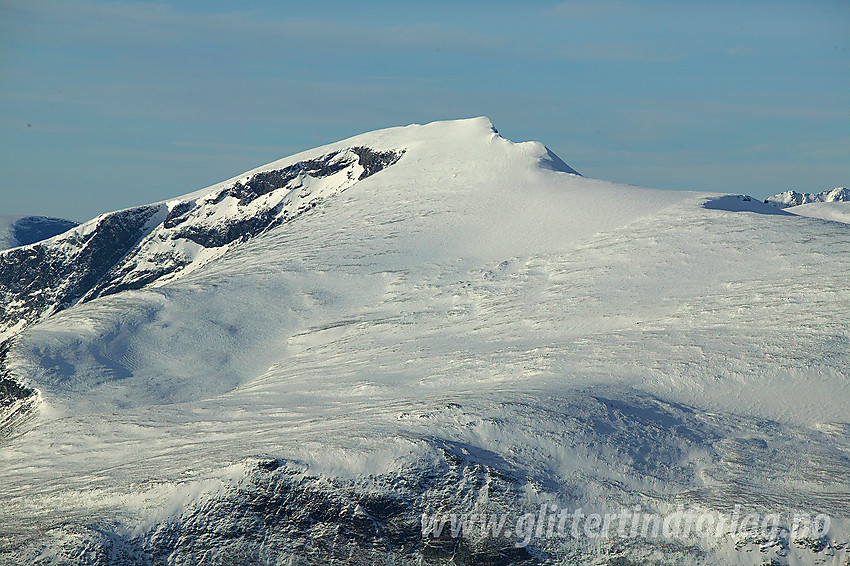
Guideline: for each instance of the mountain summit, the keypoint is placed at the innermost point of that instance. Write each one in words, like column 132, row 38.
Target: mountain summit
column 147, row 245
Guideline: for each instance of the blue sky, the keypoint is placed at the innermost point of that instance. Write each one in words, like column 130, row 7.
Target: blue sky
column 105, row 105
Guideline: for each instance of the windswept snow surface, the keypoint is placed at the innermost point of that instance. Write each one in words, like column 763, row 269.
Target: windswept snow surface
column 475, row 327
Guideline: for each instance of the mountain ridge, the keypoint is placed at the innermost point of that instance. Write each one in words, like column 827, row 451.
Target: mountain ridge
column 793, row 198
column 152, row 242
column 134, row 247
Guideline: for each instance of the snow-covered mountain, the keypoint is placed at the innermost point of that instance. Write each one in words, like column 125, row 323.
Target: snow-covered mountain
column 827, row 205
column 793, row 198
column 294, row 365
column 24, row 230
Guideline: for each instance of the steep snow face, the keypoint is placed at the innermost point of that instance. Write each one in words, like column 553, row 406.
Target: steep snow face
column 473, row 327
column 24, row 230
column 793, row 198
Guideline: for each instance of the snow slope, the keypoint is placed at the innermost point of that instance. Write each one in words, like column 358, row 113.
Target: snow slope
column 835, row 210
column 472, row 327
column 147, row 245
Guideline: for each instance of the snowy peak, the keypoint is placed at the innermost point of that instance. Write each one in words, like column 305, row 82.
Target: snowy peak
column 793, row 198
column 427, row 319
column 153, row 244
column 466, row 141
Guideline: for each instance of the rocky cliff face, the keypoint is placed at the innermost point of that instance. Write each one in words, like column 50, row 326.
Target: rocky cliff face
column 40, row 279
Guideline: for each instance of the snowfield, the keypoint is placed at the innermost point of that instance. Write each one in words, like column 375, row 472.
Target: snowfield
column 470, row 327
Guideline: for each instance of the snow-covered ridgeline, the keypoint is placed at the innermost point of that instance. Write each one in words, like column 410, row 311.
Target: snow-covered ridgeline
column 793, row 198
column 140, row 246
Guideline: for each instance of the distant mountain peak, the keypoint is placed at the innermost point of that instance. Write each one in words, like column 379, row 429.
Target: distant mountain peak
column 25, row 230
column 793, row 198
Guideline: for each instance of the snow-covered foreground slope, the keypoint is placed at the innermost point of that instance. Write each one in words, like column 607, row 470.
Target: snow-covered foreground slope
column 472, row 328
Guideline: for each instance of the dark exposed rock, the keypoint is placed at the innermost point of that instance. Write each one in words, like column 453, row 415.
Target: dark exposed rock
column 178, row 214
column 44, row 278
column 229, row 232
column 263, row 183
column 374, row 161
column 279, row 515
column 17, row 401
